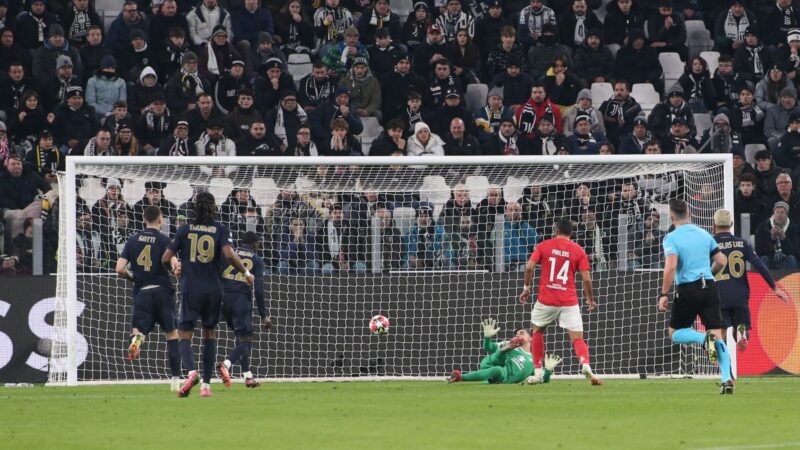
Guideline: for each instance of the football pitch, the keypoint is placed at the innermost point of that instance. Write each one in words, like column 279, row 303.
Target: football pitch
column 565, row 414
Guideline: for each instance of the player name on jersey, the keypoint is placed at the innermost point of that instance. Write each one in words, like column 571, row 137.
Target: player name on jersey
column 725, row 245
column 203, row 228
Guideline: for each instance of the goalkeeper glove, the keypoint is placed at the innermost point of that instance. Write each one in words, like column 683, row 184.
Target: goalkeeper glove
column 551, row 361
column 490, row 328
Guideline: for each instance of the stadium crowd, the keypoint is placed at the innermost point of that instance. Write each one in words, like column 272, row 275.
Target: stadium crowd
column 212, row 78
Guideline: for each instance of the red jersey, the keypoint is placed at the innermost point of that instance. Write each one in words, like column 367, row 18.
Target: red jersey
column 560, row 259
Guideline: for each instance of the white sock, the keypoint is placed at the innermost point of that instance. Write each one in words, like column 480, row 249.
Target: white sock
column 205, row 386
column 227, row 364
column 248, row 375
column 587, row 369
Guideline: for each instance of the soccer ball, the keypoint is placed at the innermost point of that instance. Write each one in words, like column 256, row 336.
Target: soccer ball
column 379, row 325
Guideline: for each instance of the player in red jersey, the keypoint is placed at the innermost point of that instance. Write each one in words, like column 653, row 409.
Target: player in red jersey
column 558, row 300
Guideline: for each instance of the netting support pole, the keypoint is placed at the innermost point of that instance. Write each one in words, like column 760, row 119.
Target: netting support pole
column 727, row 185
column 72, row 275
column 622, row 242
column 377, row 246
column 499, row 236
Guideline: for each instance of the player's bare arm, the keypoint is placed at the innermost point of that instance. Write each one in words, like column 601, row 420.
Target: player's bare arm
column 122, row 269
column 720, row 260
column 526, row 288
column 586, row 279
column 234, row 260
column 670, row 265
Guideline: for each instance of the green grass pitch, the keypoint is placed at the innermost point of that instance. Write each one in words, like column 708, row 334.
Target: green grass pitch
column 631, row 414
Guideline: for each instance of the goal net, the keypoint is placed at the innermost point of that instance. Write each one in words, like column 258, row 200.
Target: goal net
column 434, row 244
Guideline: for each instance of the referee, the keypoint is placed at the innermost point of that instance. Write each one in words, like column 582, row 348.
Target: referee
column 687, row 264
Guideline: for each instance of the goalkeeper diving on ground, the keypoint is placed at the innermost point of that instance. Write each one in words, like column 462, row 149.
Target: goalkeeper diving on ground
column 508, row 362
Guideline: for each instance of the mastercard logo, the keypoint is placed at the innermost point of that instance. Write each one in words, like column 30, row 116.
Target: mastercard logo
column 774, row 345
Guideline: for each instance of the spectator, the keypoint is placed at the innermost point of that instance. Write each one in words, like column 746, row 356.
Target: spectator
column 294, row 29
column 179, row 143
column 204, row 19
column 152, row 197
column 89, row 244
column 443, row 81
column 391, row 239
column 315, row 88
column 574, row 25
column 776, row 119
column 619, row 112
column 396, row 86
column 766, row 174
column 46, row 56
column 227, row 87
column 183, row 88
column 585, row 141
column 78, row 18
column 665, row 113
column 238, row 121
column 785, row 193
column 538, row 105
column 423, row 142
column 724, row 139
column 416, row 26
column 105, row 88
column 776, row 240
column 562, row 85
column 338, row 106
column 365, row 91
column 748, row 117
column 234, row 209
column 748, row 201
column 788, row 57
column 463, row 244
column 45, row 159
column 489, row 117
column 390, row 141
column 594, row 63
column 730, row 27
column 107, row 209
column 752, row 59
column 466, row 58
column 453, row 19
column 119, row 113
column 516, row 84
column 166, row 19
column 584, row 107
column 268, row 87
column 777, row 21
column 29, row 120
column 413, row 113
column 154, row 124
column 425, row 242
column 538, row 210
column 330, row 22
column 142, row 93
column 34, row 25
column 120, row 30
column 5, row 146
column 696, row 82
column 171, row 54
column 488, row 32
column 383, row 54
column 486, row 214
column 265, row 51
column 678, row 141
column 726, row 82
column 622, row 16
column 304, row 146
column 217, row 55
column 787, row 152
column 499, row 56
column 532, row 21
column 453, row 108
column 248, row 22
column 457, row 143
column 342, row 142
column 624, row 217
column 519, row 238
column 506, row 141
column 375, row 18
column 638, row 63
column 546, row 50
column 334, row 244
column 667, row 30
column 20, row 189
column 285, row 120
column 54, row 87
column 74, row 120
column 11, row 52
column 431, row 51
column 257, row 143
column 769, row 88
column 99, row 145
column 547, row 140
column 136, row 56
column 125, row 143
column 93, row 51
column 740, row 166
column 214, row 143
column 648, row 252
column 297, row 249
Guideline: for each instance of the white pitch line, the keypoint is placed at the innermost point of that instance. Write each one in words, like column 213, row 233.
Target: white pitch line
column 755, row 446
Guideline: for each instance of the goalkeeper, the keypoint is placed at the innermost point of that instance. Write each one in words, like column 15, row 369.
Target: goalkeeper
column 510, row 362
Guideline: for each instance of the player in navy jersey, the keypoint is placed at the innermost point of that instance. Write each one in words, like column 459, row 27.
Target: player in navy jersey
column 734, row 290
column 237, row 308
column 200, row 246
column 153, row 291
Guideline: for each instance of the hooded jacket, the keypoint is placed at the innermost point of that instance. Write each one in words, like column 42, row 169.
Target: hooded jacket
column 698, row 86
column 365, row 92
column 414, row 147
column 591, row 63
column 140, row 95
column 103, row 90
column 660, row 120
column 617, row 26
column 44, row 60
column 637, row 66
column 527, row 117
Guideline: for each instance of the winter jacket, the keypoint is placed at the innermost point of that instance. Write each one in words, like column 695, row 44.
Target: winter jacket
column 226, row 92
column 351, row 147
column 78, row 124
column 103, row 90
column 424, row 53
column 466, row 146
column 548, row 145
column 19, row 192
column 660, row 120
column 753, row 205
column 744, row 62
column 205, row 146
column 368, row 24
column 773, row 26
column 384, row 145
column 313, row 92
column 294, row 36
column 225, row 55
column 91, row 58
column 586, row 144
column 134, row 62
column 334, row 58
column 788, row 153
column 595, row 118
column 726, row 88
column 528, row 115
column 77, row 35
column 238, row 121
column 769, row 247
column 435, row 146
column 28, row 29
column 202, row 21
column 675, row 37
column 169, row 58
column 618, row 117
column 749, row 122
column 564, row 94
column 34, row 122
column 183, row 89
column 593, row 63
column 487, row 35
column 365, row 93
column 160, row 26
column 44, row 60
column 567, row 24
column 433, row 97
column 140, row 96
column 766, row 181
column 516, row 90
column 637, row 66
column 247, row 25
column 617, row 25
column 119, row 34
column 768, row 92
column 700, row 88
column 540, row 58
column 498, row 58
column 446, row 114
column 151, row 129
column 394, row 91
column 722, row 42
column 320, row 120
column 383, row 60
column 198, row 124
column 776, row 120
column 266, row 98
column 291, row 124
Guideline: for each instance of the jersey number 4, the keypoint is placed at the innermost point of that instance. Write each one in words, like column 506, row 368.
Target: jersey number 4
column 733, row 268
column 144, row 259
column 562, row 274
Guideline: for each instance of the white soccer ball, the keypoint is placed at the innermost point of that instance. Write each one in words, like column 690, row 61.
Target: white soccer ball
column 533, row 379
column 379, row 325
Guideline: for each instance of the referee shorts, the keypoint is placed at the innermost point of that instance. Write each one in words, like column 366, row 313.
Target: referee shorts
column 696, row 299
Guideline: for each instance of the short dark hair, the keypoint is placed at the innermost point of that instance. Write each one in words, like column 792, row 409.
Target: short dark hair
column 246, row 91
column 249, row 238
column 725, row 59
column 319, row 65
column 747, row 178
column 564, row 226
column 395, row 124
column 623, row 81
column 538, row 84
column 679, row 208
column 442, row 62
column 151, row 214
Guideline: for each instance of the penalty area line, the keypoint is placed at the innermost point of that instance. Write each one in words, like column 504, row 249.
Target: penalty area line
column 754, row 446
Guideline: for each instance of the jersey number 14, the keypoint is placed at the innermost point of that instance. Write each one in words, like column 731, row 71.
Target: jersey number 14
column 563, row 272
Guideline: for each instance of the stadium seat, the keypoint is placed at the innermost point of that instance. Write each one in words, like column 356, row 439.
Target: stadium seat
column 601, row 92
column 402, row 8
column 132, row 190
column 712, row 58
column 514, row 187
column 299, row 66
column 703, row 122
column 178, row 193
column 264, row 191
column 372, row 129
column 672, row 66
column 614, row 49
column 477, row 187
column 220, row 188
column 404, row 219
column 92, row 190
column 750, row 151
column 663, row 211
column 698, row 38
column 475, row 97
column 434, row 189
column 646, row 95
column 303, row 185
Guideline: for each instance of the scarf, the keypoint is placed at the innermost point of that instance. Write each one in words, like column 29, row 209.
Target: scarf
column 615, row 111
column 640, row 142
column 451, row 23
column 751, row 115
column 79, row 27
column 40, row 26
column 587, row 112
column 213, row 65
column 510, row 147
column 141, row 50
column 378, row 21
column 280, row 125
column 361, row 81
column 679, row 143
column 213, row 148
column 156, row 123
column 191, row 82
column 782, row 228
column 696, row 90
column 734, row 28
column 722, row 142
column 584, row 141
column 334, row 241
column 758, row 66
column 310, row 150
column 413, row 117
column 549, row 144
column 528, row 119
column 788, row 16
column 339, row 24
column 318, row 91
column 179, row 148
column 91, row 149
column 494, row 116
column 580, row 30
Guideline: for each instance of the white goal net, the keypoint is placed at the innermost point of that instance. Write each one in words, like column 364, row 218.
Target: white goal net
column 434, row 244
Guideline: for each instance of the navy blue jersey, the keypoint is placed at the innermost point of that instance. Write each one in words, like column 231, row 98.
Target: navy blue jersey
column 143, row 251
column 234, row 281
column 734, row 290
column 199, row 247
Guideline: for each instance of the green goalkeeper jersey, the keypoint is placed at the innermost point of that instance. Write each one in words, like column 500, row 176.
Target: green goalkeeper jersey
column 517, row 363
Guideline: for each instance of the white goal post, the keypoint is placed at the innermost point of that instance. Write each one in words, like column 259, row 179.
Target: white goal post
column 433, row 243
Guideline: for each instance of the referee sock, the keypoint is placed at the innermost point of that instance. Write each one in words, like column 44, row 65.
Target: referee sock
column 209, row 358
column 187, row 355
column 724, row 359
column 688, row 336
column 174, row 356
column 537, row 348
